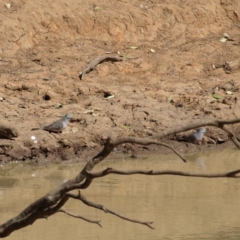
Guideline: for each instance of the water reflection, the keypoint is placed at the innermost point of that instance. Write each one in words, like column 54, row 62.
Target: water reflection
column 7, row 182
column 201, row 163
column 181, row 207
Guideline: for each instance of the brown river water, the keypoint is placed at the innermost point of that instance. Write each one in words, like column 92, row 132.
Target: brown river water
column 180, row 207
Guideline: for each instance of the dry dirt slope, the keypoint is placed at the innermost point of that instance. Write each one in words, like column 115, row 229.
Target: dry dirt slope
column 45, row 44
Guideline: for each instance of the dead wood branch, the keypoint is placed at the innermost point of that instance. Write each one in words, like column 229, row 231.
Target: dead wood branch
column 51, row 210
column 107, row 171
column 52, row 202
column 96, row 61
column 98, row 222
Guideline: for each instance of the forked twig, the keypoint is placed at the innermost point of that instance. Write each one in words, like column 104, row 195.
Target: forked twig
column 78, row 216
column 106, row 210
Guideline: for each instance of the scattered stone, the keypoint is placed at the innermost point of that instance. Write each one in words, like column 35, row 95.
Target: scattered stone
column 8, row 132
column 231, row 65
column 227, row 86
column 74, row 129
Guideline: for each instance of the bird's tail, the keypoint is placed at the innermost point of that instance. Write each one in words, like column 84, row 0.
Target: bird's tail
column 33, row 129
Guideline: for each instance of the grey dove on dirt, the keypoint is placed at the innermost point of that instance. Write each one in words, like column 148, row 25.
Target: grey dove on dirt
column 196, row 136
column 57, row 126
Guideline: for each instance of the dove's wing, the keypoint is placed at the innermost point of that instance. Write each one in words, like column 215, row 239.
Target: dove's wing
column 55, row 126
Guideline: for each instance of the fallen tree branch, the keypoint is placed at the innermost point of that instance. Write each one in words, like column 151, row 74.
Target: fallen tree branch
column 83, row 218
column 51, row 210
column 96, row 61
column 56, row 198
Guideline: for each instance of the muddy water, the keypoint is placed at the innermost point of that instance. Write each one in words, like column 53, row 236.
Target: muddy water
column 180, row 207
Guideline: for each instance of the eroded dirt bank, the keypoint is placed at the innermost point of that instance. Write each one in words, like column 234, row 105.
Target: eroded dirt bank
column 167, row 80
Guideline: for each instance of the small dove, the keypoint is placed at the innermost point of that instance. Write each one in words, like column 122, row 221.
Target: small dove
column 195, row 137
column 57, row 126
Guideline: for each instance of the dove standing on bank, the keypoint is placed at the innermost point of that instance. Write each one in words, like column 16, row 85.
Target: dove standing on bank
column 196, row 136
column 57, row 126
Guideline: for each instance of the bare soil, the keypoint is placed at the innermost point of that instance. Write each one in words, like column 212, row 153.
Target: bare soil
column 167, row 80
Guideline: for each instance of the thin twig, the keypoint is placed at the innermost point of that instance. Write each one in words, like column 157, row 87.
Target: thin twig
column 78, row 216
column 145, row 142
